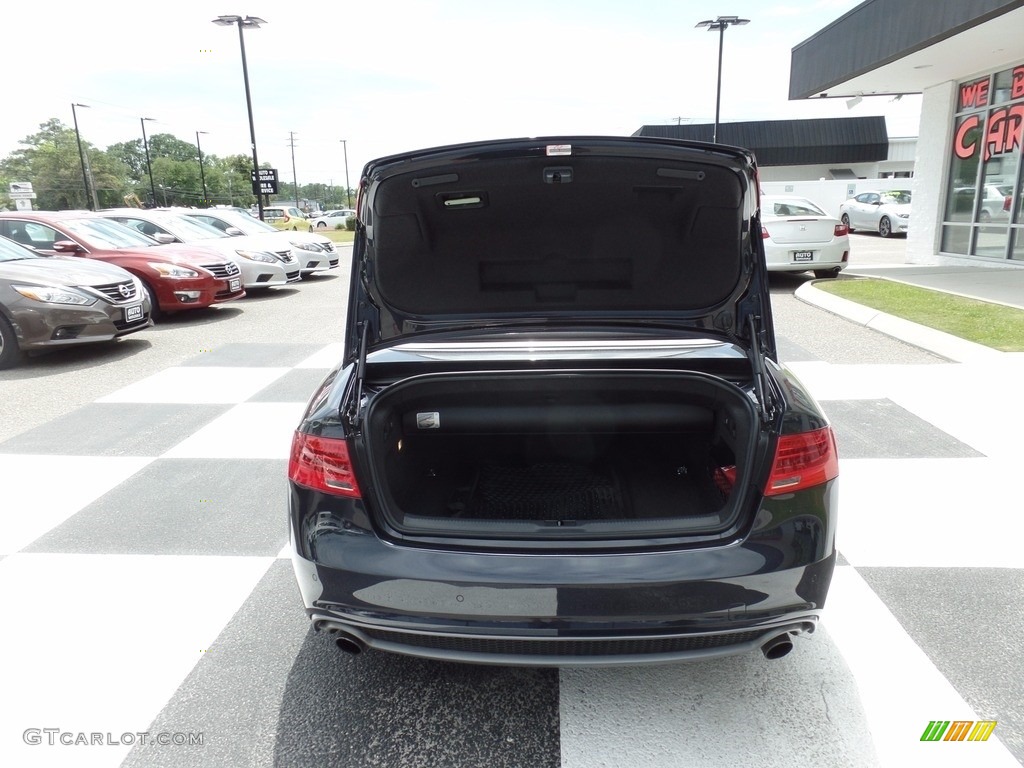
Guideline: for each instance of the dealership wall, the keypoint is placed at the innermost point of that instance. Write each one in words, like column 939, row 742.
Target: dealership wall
column 932, row 168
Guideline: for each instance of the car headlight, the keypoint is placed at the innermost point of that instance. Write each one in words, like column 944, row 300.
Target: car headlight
column 314, row 247
column 54, row 295
column 257, row 256
column 903, row 215
column 173, row 271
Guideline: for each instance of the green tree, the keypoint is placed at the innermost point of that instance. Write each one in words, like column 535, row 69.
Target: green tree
column 49, row 160
column 132, row 154
column 166, row 145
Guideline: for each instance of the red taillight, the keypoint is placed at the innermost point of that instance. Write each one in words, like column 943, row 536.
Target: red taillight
column 841, row 230
column 1006, row 202
column 803, row 461
column 764, row 233
column 323, row 464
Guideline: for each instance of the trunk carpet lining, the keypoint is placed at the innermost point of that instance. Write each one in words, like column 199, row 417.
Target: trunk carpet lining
column 547, row 491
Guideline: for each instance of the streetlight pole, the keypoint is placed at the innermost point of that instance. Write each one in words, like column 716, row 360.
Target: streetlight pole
column 252, row 22
column 202, row 174
column 348, row 193
column 720, row 24
column 81, row 152
column 149, row 165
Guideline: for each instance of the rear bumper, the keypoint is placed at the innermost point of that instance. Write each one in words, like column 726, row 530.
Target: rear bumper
column 606, row 651
column 571, row 608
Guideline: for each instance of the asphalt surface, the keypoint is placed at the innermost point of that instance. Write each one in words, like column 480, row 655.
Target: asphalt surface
column 146, row 587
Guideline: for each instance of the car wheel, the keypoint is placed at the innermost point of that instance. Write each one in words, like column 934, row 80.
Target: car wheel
column 824, row 274
column 10, row 352
column 846, row 222
column 321, row 225
column 155, row 313
column 984, row 217
column 884, row 226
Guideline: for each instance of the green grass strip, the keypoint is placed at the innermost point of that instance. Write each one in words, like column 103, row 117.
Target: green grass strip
column 993, row 325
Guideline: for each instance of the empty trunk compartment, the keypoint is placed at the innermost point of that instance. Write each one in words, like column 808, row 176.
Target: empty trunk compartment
column 560, row 454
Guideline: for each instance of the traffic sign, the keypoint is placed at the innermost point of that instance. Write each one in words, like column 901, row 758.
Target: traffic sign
column 20, row 186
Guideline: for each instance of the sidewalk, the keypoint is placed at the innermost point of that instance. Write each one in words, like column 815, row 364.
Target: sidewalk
column 992, row 284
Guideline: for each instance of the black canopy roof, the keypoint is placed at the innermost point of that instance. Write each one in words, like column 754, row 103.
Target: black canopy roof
column 818, row 141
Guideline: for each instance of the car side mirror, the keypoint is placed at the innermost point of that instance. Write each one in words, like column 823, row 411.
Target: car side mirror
column 233, row 231
column 164, row 238
column 67, row 246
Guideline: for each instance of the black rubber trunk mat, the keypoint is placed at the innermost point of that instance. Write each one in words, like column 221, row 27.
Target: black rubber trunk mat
column 544, row 491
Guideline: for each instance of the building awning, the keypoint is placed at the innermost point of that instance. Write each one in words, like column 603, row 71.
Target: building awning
column 819, row 141
column 842, row 173
column 905, row 46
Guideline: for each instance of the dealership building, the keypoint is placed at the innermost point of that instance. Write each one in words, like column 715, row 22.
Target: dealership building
column 966, row 58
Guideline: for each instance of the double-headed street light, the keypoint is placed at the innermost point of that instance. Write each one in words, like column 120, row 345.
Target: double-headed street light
column 202, row 174
column 149, row 165
column 242, row 22
column 720, row 25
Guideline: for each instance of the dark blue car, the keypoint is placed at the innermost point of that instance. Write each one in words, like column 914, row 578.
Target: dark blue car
column 558, row 438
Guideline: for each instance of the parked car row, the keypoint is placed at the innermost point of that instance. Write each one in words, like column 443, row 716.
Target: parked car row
column 331, row 219
column 69, row 277
column 287, row 217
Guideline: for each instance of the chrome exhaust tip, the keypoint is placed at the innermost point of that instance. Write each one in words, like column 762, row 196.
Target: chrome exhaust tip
column 777, row 647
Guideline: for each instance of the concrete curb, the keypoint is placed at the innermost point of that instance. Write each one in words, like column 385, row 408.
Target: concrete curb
column 937, row 342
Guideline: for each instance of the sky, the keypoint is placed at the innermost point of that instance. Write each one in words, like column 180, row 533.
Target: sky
column 387, row 76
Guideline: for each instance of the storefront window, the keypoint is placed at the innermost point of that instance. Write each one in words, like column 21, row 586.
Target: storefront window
column 956, row 239
column 984, row 195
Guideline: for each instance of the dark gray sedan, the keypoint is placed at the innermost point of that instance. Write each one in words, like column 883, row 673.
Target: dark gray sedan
column 52, row 301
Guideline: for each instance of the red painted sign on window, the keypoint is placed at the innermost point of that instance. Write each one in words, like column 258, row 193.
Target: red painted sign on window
column 974, row 94
column 1017, row 83
column 1003, row 133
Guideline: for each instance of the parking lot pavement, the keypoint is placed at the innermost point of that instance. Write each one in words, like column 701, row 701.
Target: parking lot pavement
column 146, row 590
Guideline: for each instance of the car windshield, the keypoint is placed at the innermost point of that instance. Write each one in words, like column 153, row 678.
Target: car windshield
column 101, row 233
column 11, row 251
column 896, row 197
column 794, row 207
column 247, row 224
column 189, row 229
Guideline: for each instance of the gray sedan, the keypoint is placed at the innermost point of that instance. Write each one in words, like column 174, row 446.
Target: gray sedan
column 52, row 301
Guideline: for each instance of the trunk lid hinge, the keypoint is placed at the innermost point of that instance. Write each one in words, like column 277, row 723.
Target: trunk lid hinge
column 353, row 411
column 766, row 406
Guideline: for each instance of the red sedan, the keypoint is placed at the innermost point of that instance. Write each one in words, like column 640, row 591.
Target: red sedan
column 176, row 277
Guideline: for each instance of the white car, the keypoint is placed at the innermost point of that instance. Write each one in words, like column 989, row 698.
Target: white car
column 885, row 211
column 331, row 219
column 315, row 253
column 800, row 236
column 262, row 261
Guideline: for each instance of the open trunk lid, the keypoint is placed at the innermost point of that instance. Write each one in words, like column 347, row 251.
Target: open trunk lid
column 559, row 234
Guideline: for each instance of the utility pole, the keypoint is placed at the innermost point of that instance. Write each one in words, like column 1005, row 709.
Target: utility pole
column 295, row 178
column 348, row 194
